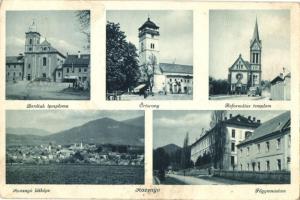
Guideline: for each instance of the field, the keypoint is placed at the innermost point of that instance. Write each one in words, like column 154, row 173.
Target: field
column 73, row 174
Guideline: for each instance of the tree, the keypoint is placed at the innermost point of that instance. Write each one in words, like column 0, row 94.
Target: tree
column 83, row 17
column 186, row 153
column 148, row 70
column 220, row 86
column 161, row 162
column 122, row 69
column 217, row 138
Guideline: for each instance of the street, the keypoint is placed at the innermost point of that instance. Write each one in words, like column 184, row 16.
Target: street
column 204, row 180
column 158, row 97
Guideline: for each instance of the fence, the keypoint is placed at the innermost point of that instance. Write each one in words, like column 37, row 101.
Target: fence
column 273, row 177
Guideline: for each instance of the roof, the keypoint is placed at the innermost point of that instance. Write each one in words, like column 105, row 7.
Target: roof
column 236, row 120
column 73, row 59
column 175, row 68
column 242, row 121
column 14, row 59
column 275, row 125
column 45, row 43
column 149, row 24
column 276, row 79
column 255, row 33
column 246, row 63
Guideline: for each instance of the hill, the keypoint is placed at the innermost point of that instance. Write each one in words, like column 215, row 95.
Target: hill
column 170, row 149
column 99, row 131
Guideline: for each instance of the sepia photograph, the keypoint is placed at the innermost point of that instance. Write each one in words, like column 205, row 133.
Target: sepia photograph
column 48, row 55
column 221, row 147
column 149, row 55
column 75, row 147
column 249, row 55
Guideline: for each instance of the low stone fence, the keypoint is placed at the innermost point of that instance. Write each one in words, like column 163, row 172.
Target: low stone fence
column 272, row 177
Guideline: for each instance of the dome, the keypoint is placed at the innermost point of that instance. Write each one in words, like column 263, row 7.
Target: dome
column 149, row 24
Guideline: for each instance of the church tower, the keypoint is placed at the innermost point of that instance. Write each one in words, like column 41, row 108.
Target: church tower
column 148, row 43
column 255, row 58
column 32, row 39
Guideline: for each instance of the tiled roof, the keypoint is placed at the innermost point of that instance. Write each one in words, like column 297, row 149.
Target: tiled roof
column 73, row 59
column 242, row 121
column 246, row 63
column 279, row 123
column 14, row 59
column 149, row 24
column 176, row 68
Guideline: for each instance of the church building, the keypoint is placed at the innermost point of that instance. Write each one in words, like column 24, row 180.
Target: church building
column 41, row 61
column 244, row 74
column 167, row 77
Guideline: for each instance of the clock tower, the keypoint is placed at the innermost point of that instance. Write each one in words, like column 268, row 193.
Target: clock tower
column 255, row 58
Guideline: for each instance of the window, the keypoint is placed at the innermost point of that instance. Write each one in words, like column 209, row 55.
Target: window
column 28, row 66
column 85, row 70
column 7, row 73
column 268, row 165
column 258, row 148
column 279, row 164
column 289, row 142
column 267, row 146
column 14, row 74
column 241, row 150
column 278, row 143
column 258, row 166
column 142, row 46
column 152, row 46
column 20, row 74
column 68, row 70
column 30, row 41
column 44, row 75
column 58, row 74
column 44, row 61
column 232, row 160
column 248, row 166
column 170, row 80
column 233, row 147
column 253, row 166
column 15, row 66
column 79, row 70
column 45, row 48
column 248, row 150
column 241, row 167
column 30, row 49
column 8, row 66
column 233, row 133
column 288, row 159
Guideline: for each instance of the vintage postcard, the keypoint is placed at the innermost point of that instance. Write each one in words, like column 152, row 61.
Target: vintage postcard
column 149, row 100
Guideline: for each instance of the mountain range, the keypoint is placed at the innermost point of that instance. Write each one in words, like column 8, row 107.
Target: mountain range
column 99, row 131
column 170, row 149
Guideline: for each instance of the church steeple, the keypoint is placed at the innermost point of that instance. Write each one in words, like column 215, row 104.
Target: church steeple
column 255, row 33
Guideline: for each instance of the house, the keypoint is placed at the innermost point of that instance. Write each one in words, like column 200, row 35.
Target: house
column 244, row 74
column 236, row 129
column 281, row 87
column 14, row 68
column 268, row 148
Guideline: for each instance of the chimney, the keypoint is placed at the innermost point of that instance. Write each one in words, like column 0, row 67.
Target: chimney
column 258, row 121
column 79, row 54
column 254, row 119
column 230, row 116
column 281, row 75
column 249, row 117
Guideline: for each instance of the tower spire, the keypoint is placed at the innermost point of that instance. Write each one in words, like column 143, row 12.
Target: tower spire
column 255, row 33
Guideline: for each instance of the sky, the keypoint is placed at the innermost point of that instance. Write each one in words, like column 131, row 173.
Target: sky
column 175, row 27
column 55, row 121
column 60, row 28
column 172, row 126
column 230, row 33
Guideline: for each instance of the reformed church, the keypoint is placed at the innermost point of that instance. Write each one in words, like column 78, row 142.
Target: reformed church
column 168, row 77
column 41, row 61
column 245, row 74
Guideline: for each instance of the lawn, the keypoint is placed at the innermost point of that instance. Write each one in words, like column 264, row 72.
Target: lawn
column 73, row 174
